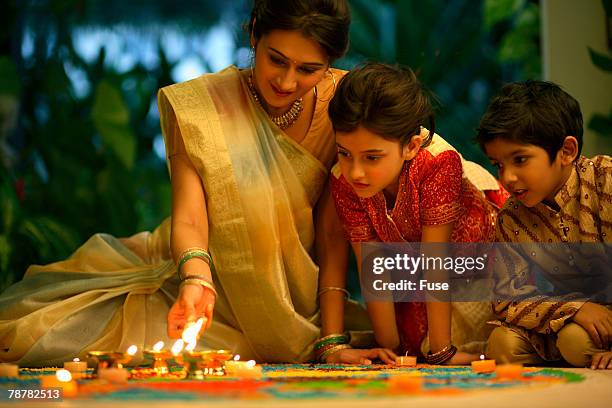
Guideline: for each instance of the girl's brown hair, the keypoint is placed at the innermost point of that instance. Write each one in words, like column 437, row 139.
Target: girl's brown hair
column 385, row 99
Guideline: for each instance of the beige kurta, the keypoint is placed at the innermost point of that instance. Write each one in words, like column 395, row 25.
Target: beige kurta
column 585, row 215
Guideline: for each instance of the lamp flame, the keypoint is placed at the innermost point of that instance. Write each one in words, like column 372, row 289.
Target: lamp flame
column 177, row 346
column 158, row 346
column 133, row 349
column 63, row 375
column 76, row 360
column 237, row 357
column 190, row 334
column 251, row 363
column 482, row 356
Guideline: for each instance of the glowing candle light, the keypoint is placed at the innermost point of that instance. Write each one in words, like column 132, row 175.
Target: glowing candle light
column 483, row 366
column 406, row 361
column 63, row 380
column 243, row 369
column 509, row 371
column 192, row 330
column 177, row 347
column 131, row 351
column 63, row 375
column 76, row 367
column 9, row 370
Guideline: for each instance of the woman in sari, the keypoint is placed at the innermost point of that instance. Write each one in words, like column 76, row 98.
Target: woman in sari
column 249, row 153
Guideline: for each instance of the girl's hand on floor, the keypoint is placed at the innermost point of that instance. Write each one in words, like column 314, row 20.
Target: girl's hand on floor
column 361, row 356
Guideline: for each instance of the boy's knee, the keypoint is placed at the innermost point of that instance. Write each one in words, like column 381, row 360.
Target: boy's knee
column 575, row 345
column 506, row 345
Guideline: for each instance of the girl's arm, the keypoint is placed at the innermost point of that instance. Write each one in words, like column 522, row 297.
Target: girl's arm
column 332, row 257
column 382, row 314
column 189, row 229
column 438, row 313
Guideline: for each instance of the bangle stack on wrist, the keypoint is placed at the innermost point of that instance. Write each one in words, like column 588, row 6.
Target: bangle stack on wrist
column 201, row 280
column 441, row 356
column 191, row 253
column 330, row 344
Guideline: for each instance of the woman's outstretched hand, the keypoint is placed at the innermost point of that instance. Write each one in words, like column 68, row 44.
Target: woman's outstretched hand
column 193, row 302
column 361, row 356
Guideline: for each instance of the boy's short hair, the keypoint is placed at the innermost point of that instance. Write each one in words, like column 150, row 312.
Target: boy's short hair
column 532, row 112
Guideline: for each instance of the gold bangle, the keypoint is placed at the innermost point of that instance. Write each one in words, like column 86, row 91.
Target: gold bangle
column 332, row 350
column 329, row 336
column 201, row 282
column 325, row 289
column 206, row 278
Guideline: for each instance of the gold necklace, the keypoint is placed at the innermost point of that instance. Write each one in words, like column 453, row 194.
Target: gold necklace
column 286, row 119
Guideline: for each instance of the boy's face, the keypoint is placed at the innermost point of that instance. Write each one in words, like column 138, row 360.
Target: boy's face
column 526, row 172
column 371, row 163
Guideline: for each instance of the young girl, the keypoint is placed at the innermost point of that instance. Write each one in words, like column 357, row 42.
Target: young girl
column 396, row 181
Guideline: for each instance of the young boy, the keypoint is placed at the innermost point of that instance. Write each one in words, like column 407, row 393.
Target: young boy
column 532, row 132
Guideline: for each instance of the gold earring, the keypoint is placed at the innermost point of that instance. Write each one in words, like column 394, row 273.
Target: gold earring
column 314, row 90
column 252, row 60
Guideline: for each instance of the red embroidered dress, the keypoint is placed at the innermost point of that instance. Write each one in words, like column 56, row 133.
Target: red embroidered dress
column 432, row 191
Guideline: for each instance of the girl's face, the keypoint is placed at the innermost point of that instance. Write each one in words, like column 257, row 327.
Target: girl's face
column 371, row 163
column 287, row 66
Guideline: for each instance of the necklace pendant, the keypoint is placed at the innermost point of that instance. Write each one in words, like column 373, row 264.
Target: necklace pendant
column 286, row 119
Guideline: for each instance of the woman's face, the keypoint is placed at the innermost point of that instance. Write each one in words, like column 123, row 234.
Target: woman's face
column 287, row 66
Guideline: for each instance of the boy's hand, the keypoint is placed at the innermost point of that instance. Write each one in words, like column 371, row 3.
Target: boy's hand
column 597, row 321
column 602, row 361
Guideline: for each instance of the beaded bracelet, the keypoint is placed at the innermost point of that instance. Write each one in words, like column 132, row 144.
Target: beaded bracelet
column 441, row 356
column 201, row 282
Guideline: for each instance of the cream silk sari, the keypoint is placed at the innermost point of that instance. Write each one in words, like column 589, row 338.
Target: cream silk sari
column 261, row 188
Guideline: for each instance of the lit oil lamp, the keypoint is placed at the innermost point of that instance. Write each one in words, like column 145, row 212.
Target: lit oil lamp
column 111, row 359
column 215, row 360
column 62, row 380
column 194, row 364
column 483, row 365
column 159, row 356
column 243, row 369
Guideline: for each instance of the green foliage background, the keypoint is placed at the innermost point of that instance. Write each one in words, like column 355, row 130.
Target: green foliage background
column 72, row 166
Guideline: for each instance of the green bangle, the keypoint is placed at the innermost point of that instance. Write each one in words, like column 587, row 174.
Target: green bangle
column 187, row 255
column 336, row 339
